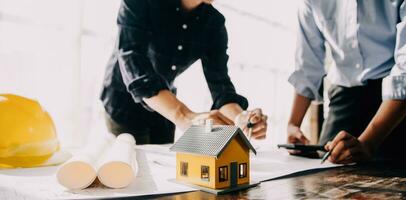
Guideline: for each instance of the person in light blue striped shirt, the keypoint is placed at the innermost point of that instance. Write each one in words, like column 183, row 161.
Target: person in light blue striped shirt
column 368, row 76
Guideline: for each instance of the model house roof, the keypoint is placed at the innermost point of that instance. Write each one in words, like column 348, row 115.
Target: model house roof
column 197, row 140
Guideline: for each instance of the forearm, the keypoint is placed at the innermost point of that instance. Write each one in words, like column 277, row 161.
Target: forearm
column 299, row 108
column 389, row 115
column 166, row 104
column 231, row 110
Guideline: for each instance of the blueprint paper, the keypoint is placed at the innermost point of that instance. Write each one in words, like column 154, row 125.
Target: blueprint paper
column 156, row 168
column 275, row 163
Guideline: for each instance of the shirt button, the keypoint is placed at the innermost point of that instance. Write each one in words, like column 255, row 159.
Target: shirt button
column 173, row 67
column 184, row 26
column 357, row 66
column 177, row 9
column 180, row 47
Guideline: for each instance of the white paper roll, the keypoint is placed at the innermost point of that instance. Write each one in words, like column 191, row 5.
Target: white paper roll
column 117, row 169
column 80, row 171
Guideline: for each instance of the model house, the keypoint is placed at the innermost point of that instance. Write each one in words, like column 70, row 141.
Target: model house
column 215, row 157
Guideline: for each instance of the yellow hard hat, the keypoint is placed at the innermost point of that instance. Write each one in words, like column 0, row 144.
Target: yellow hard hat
column 27, row 133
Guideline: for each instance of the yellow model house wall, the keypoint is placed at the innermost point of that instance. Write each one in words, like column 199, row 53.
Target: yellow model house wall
column 236, row 151
column 194, row 169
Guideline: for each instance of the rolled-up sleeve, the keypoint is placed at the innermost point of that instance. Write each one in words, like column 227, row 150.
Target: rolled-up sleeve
column 134, row 36
column 310, row 54
column 394, row 85
column 216, row 72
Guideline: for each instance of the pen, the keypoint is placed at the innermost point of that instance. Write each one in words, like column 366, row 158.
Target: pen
column 325, row 157
column 249, row 126
column 302, row 147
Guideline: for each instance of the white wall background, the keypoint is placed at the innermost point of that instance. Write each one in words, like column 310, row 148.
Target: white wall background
column 56, row 51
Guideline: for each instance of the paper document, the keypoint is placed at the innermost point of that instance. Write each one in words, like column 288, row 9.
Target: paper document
column 275, row 163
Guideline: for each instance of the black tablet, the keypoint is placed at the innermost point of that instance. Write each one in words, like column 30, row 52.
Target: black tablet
column 302, row 147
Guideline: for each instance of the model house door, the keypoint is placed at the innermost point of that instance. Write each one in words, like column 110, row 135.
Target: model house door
column 233, row 174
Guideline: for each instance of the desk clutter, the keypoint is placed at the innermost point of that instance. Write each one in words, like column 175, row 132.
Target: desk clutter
column 216, row 159
column 155, row 175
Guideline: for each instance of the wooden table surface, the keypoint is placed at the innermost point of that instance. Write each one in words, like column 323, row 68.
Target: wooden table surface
column 367, row 181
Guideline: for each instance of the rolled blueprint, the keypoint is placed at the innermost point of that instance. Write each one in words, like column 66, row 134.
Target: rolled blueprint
column 117, row 167
column 80, row 171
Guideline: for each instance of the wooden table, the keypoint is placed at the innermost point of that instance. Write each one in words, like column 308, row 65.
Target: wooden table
column 368, row 181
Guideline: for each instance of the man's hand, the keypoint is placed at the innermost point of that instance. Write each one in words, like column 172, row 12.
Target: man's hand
column 346, row 149
column 296, row 136
column 256, row 118
column 200, row 118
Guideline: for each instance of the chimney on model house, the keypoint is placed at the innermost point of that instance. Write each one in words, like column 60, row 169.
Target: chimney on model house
column 208, row 126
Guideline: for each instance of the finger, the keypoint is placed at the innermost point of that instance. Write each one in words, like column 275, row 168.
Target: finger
column 344, row 149
column 352, row 158
column 327, row 146
column 345, row 161
column 294, row 152
column 358, row 155
column 259, row 134
column 257, row 111
column 342, row 135
column 343, row 156
column 303, row 139
column 258, row 130
column 249, row 120
column 351, row 155
column 292, row 139
column 260, row 137
column 251, row 117
column 255, row 119
column 349, row 146
column 355, row 156
column 349, row 160
column 337, row 151
column 256, row 116
column 297, row 138
column 259, row 126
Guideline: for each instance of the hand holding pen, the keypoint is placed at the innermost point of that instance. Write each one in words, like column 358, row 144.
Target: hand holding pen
column 346, row 149
column 253, row 123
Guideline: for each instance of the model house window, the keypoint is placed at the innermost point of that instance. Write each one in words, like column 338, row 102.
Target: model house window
column 205, row 173
column 183, row 168
column 243, row 170
column 223, row 173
